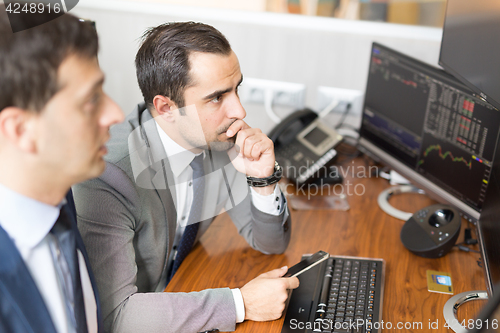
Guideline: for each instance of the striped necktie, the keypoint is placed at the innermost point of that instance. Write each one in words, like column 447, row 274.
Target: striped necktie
column 65, row 256
column 193, row 223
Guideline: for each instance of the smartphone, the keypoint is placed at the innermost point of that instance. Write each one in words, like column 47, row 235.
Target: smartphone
column 307, row 263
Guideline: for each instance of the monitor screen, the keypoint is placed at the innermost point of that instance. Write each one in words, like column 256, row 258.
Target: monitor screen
column 430, row 128
column 470, row 46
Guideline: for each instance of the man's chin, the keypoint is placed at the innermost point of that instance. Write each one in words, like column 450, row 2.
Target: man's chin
column 221, row 146
column 97, row 168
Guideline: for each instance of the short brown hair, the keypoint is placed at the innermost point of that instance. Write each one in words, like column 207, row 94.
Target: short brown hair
column 29, row 59
column 162, row 62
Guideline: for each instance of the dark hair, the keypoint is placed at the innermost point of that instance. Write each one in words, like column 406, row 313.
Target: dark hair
column 162, row 62
column 29, row 59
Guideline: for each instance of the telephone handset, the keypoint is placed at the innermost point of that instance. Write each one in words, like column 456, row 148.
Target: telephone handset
column 304, row 145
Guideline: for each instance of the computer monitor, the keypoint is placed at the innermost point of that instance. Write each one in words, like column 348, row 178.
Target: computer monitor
column 489, row 228
column 429, row 127
column 471, row 45
column 469, row 50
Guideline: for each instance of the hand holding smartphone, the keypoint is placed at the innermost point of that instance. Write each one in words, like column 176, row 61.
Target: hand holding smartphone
column 307, row 264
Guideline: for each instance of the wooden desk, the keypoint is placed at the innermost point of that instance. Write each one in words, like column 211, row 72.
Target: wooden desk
column 364, row 230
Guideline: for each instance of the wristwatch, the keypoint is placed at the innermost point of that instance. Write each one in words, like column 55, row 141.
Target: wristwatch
column 272, row 179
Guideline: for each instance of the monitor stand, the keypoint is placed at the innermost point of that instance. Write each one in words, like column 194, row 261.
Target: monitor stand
column 452, row 305
column 383, row 200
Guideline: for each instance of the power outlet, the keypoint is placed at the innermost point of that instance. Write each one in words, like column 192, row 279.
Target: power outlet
column 327, row 96
column 275, row 92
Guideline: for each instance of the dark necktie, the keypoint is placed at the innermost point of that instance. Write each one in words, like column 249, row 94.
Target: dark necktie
column 63, row 248
column 187, row 239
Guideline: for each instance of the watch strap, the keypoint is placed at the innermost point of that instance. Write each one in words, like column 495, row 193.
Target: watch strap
column 263, row 182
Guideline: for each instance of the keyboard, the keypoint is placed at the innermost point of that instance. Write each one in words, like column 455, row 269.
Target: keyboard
column 340, row 295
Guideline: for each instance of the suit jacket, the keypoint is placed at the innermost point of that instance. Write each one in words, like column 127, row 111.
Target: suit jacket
column 128, row 220
column 22, row 308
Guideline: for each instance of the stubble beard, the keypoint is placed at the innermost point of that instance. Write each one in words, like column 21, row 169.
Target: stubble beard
column 214, row 145
column 222, row 145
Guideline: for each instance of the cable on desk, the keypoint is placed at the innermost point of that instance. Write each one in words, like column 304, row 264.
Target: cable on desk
column 468, row 236
column 349, row 126
column 464, row 248
column 344, row 115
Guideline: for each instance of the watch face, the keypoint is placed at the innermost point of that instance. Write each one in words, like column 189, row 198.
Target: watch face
column 262, row 182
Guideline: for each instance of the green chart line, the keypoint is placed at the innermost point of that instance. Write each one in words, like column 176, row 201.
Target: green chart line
column 443, row 156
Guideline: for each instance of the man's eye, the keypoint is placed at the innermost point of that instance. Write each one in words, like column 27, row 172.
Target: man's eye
column 94, row 102
column 216, row 99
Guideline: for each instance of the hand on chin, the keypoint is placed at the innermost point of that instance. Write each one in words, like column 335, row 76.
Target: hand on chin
column 261, row 168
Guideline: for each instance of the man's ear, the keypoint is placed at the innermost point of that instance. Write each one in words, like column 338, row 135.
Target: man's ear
column 17, row 126
column 165, row 107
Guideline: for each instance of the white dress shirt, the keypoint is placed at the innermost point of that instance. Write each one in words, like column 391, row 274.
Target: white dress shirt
column 28, row 223
column 183, row 176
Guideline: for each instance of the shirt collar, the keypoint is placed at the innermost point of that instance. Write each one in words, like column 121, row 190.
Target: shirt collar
column 178, row 157
column 26, row 220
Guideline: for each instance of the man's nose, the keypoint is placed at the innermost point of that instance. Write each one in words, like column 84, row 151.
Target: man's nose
column 236, row 110
column 111, row 114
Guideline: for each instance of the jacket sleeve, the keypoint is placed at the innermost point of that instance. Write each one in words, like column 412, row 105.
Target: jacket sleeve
column 107, row 220
column 269, row 234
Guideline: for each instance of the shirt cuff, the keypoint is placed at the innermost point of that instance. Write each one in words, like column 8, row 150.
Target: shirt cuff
column 240, row 306
column 272, row 204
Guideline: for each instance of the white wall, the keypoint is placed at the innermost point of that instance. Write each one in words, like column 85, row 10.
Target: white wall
column 310, row 50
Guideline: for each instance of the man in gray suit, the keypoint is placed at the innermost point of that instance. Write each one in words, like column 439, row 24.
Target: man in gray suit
column 177, row 161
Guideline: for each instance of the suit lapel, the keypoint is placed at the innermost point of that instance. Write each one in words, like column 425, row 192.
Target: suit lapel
column 150, row 167
column 162, row 173
column 17, row 282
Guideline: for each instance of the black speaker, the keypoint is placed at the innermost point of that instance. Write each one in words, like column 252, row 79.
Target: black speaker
column 432, row 232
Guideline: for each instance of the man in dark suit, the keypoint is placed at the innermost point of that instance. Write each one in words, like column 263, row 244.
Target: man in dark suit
column 54, row 122
column 173, row 165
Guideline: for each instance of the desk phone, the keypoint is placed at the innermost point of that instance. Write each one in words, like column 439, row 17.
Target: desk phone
column 304, row 144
